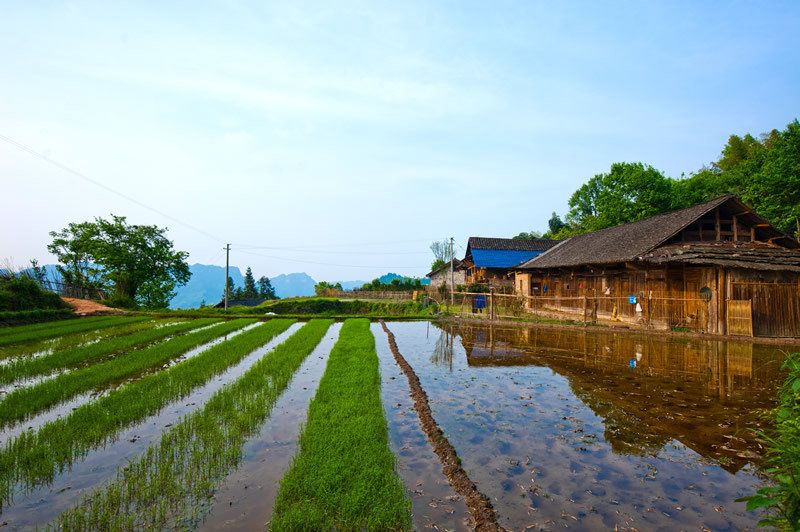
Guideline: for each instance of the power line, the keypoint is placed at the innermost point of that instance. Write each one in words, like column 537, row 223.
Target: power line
column 66, row 168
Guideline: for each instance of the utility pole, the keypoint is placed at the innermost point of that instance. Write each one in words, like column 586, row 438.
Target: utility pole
column 452, row 275
column 227, row 256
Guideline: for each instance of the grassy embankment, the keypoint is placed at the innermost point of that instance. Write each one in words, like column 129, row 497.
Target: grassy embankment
column 51, row 345
column 118, row 340
column 41, row 331
column 24, row 402
column 320, row 307
column 781, row 499
column 35, row 457
column 344, row 474
column 22, row 300
column 173, row 482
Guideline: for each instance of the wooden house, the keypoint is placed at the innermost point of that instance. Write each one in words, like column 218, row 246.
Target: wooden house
column 716, row 267
column 441, row 275
column 491, row 261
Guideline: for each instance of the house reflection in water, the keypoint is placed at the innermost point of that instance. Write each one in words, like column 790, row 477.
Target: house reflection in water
column 648, row 389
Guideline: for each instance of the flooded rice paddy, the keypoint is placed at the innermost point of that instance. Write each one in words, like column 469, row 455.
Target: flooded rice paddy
column 596, row 430
column 560, row 428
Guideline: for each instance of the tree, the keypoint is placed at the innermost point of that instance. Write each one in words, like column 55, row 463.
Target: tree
column 137, row 261
column 322, row 287
column 533, row 235
column 231, row 290
column 265, row 288
column 249, row 291
column 441, row 253
column 555, row 224
column 629, row 192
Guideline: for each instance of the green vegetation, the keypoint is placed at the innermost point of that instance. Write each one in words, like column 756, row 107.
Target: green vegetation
column 23, row 402
column 41, row 331
column 252, row 289
column 76, row 339
column 27, row 367
column 136, row 261
column 34, row 316
column 35, row 457
column 763, row 172
column 180, row 473
column 21, row 293
column 344, row 475
column 781, row 500
column 335, row 307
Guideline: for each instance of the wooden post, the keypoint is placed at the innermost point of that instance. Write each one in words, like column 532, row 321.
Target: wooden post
column 735, row 229
column 716, row 223
column 491, row 304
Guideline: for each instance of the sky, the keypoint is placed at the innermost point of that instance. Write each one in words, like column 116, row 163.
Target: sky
column 342, row 138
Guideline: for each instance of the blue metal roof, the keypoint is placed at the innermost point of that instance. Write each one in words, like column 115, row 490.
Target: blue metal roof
column 501, row 258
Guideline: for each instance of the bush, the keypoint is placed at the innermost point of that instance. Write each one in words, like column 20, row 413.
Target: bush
column 120, row 301
column 19, row 293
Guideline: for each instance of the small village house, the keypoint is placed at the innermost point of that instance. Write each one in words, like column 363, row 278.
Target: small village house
column 491, row 261
column 441, row 275
column 716, row 267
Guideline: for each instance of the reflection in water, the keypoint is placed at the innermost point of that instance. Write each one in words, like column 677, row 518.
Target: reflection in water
column 560, row 429
column 649, row 389
column 443, row 351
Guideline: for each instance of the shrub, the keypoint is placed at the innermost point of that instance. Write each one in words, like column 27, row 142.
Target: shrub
column 18, row 293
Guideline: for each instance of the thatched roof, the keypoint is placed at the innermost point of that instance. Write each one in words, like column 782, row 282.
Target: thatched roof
column 631, row 241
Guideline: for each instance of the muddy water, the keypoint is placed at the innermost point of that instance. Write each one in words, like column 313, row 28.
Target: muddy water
column 433, row 501
column 44, row 504
column 595, row 430
column 246, row 499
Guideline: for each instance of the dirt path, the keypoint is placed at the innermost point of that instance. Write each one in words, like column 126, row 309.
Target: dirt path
column 479, row 506
column 84, row 307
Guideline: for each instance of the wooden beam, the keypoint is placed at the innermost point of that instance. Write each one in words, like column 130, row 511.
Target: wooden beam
column 776, row 238
column 752, row 234
column 735, row 229
column 761, row 225
column 716, row 222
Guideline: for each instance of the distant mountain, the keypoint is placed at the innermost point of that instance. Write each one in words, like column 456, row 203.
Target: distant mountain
column 350, row 285
column 293, row 285
column 206, row 284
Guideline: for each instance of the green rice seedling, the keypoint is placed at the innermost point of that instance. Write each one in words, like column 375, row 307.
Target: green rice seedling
column 175, row 478
column 111, row 345
column 23, row 402
column 344, row 475
column 51, row 345
column 35, row 457
column 40, row 331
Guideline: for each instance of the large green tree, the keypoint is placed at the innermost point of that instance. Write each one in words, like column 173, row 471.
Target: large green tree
column 137, row 262
column 265, row 288
column 627, row 193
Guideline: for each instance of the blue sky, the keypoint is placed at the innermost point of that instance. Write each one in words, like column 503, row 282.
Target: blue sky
column 341, row 138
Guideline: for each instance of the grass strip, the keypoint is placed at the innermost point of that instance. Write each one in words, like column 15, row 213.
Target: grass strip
column 76, row 339
column 344, row 475
column 29, row 333
column 177, row 476
column 24, row 402
column 111, row 345
column 35, row 457
column 781, row 498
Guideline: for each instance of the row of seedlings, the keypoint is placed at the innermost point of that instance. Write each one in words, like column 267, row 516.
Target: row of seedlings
column 172, row 484
column 35, row 457
column 24, row 402
column 344, row 475
column 41, row 331
column 46, row 346
column 120, row 340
